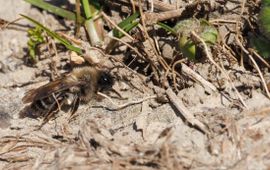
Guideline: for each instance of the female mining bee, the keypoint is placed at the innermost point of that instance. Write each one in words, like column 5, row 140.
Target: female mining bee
column 80, row 86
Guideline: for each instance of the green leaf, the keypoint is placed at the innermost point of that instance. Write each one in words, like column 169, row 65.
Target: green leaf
column 264, row 18
column 260, row 44
column 95, row 4
column 167, row 28
column 208, row 32
column 265, row 3
column 187, row 47
column 56, row 36
column 55, row 10
column 35, row 38
column 127, row 24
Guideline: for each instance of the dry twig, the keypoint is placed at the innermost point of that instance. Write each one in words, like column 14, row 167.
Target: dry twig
column 185, row 112
column 122, row 106
column 197, row 77
column 260, row 58
column 153, row 18
column 162, row 6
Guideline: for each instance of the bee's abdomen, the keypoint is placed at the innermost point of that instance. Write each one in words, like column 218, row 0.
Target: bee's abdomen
column 41, row 107
column 43, row 104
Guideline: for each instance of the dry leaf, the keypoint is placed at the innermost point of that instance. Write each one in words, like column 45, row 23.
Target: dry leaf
column 75, row 58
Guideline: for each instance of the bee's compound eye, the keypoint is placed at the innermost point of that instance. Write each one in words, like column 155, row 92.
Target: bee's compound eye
column 105, row 81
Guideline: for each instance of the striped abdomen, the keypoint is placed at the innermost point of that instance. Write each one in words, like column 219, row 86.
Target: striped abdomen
column 46, row 105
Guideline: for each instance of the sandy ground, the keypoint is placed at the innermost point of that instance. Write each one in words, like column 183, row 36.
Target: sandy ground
column 148, row 135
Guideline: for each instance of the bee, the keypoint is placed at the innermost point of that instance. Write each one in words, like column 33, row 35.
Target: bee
column 80, row 86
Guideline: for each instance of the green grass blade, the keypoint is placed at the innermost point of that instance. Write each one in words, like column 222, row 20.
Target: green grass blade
column 55, row 10
column 127, row 24
column 126, row 28
column 167, row 28
column 129, row 19
column 87, row 10
column 62, row 40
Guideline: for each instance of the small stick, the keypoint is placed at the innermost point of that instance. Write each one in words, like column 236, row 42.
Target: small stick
column 152, row 6
column 147, row 37
column 70, row 38
column 260, row 57
column 213, row 21
column 58, row 104
column 237, row 26
column 197, row 77
column 153, row 17
column 122, row 106
column 7, row 23
column 174, row 73
column 78, row 14
column 185, row 112
column 133, row 6
column 162, row 6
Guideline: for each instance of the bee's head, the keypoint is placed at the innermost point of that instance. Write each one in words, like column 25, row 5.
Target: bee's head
column 105, row 81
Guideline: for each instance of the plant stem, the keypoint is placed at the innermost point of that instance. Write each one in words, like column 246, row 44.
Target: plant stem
column 93, row 35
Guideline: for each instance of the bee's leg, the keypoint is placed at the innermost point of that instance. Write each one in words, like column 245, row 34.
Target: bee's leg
column 54, row 109
column 56, row 100
column 48, row 116
column 75, row 106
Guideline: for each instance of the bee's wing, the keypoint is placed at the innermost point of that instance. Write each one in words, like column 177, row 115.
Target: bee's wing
column 48, row 89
